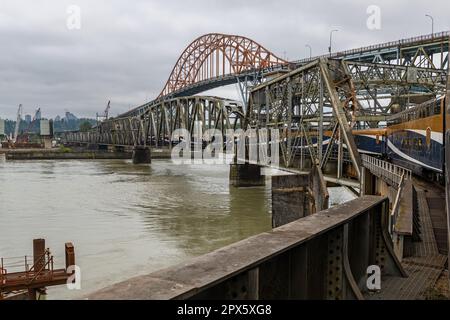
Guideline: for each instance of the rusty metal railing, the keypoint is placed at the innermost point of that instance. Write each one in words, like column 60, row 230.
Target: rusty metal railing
column 43, row 265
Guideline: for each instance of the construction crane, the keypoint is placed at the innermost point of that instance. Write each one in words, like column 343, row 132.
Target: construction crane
column 24, row 137
column 105, row 113
column 19, row 118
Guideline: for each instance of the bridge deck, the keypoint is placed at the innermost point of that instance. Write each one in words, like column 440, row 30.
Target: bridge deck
column 427, row 263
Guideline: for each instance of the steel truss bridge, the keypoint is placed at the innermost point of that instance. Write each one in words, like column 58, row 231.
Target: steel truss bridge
column 155, row 126
column 303, row 99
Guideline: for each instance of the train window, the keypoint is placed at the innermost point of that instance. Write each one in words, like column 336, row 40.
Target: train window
column 378, row 139
column 428, row 137
column 419, row 143
column 437, row 109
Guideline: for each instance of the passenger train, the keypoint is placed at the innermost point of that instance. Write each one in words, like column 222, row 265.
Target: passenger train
column 413, row 138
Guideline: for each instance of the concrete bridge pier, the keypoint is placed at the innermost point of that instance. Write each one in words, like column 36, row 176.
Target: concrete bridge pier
column 297, row 196
column 141, row 154
column 246, row 175
column 290, row 199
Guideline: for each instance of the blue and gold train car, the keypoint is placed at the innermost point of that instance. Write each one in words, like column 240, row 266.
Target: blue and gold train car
column 371, row 141
column 415, row 138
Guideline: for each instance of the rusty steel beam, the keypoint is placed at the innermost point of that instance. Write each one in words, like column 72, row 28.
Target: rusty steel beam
column 321, row 256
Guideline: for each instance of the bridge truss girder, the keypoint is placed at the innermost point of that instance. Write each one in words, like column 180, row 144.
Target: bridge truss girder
column 427, row 51
column 335, row 96
column 155, row 126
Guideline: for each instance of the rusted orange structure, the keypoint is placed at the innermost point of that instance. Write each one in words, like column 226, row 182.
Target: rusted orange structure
column 38, row 272
column 214, row 55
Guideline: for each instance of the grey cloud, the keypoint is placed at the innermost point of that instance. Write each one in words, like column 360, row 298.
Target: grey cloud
column 126, row 49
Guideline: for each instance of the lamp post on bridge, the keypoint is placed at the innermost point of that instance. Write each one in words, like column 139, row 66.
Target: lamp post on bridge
column 432, row 24
column 310, row 50
column 331, row 37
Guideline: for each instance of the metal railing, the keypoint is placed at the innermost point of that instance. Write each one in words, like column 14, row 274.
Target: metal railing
column 385, row 45
column 396, row 207
column 268, row 266
column 391, row 173
column 425, row 109
column 42, row 267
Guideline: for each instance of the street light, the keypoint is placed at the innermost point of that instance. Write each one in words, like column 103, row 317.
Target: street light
column 310, row 50
column 331, row 37
column 432, row 23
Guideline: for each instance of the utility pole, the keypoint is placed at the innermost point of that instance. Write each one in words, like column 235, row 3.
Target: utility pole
column 310, row 50
column 432, row 24
column 331, row 38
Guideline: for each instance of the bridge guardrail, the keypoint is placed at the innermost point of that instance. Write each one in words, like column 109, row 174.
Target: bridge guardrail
column 380, row 46
column 396, row 207
column 391, row 173
column 322, row 256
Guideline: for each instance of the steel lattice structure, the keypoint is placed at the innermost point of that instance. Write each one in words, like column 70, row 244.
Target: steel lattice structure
column 216, row 55
column 427, row 51
column 156, row 125
column 335, row 96
column 304, row 100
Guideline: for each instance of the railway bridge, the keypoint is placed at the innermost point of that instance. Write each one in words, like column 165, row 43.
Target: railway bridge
column 315, row 106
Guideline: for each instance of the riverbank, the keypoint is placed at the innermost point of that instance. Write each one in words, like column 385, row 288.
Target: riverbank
column 74, row 154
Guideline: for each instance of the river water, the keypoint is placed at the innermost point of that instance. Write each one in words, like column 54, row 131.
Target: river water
column 125, row 220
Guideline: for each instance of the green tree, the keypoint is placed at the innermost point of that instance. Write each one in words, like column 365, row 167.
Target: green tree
column 85, row 126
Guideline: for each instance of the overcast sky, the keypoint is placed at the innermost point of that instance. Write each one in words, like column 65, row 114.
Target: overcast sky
column 125, row 50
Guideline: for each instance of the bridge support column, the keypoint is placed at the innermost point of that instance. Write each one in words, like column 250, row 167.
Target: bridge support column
column 298, row 196
column 141, row 154
column 246, row 175
column 290, row 199
column 368, row 182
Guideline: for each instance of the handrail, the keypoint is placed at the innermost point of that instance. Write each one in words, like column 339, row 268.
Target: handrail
column 46, row 252
column 396, row 206
column 429, row 104
column 391, row 172
column 48, row 263
column 380, row 46
column 239, row 271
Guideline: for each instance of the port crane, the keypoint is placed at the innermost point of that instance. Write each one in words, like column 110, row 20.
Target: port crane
column 19, row 118
column 24, row 137
column 105, row 113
